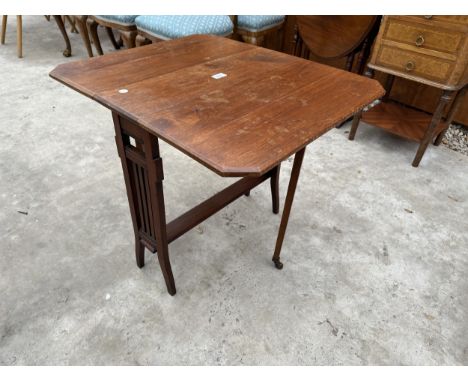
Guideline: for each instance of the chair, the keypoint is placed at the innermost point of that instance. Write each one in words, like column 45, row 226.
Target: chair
column 157, row 28
column 125, row 24
column 19, row 33
column 253, row 28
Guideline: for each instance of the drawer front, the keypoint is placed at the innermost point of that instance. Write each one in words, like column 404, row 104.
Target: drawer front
column 414, row 64
column 422, row 36
column 448, row 19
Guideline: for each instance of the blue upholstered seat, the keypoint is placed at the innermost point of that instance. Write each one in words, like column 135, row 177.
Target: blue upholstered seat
column 258, row 23
column 126, row 20
column 171, row 27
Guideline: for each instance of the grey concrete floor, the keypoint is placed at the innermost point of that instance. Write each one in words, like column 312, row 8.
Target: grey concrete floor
column 375, row 256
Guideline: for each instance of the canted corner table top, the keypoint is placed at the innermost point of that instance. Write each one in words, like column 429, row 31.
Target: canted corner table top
column 236, row 108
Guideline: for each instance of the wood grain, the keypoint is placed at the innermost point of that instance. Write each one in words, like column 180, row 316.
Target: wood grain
column 268, row 107
column 430, row 51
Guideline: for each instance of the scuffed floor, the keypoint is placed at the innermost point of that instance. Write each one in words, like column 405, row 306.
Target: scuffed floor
column 375, row 257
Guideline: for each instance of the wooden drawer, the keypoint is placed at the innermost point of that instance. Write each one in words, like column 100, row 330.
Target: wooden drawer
column 421, row 36
column 448, row 19
column 414, row 64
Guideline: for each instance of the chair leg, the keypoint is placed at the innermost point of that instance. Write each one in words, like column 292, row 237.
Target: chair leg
column 128, row 38
column 140, row 40
column 92, row 25
column 19, row 35
column 254, row 40
column 110, row 33
column 81, row 24
column 58, row 19
column 4, row 24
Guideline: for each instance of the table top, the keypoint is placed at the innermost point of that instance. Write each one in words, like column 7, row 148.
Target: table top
column 267, row 107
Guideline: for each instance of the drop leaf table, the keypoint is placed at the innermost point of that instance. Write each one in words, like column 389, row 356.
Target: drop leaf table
column 238, row 109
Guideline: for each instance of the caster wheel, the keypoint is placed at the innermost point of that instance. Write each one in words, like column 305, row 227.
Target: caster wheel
column 278, row 264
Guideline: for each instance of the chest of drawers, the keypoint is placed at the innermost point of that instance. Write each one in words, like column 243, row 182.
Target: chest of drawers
column 432, row 50
column 428, row 49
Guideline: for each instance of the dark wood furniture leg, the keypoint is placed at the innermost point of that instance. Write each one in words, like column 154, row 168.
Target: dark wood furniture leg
column 58, row 19
column 128, row 38
column 354, row 126
column 155, row 178
column 83, row 29
column 357, row 117
column 436, row 117
column 114, row 42
column 93, row 25
column 451, row 115
column 143, row 174
column 274, row 185
column 296, row 169
column 122, row 141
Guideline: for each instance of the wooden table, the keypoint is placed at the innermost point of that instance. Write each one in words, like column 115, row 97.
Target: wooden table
column 267, row 107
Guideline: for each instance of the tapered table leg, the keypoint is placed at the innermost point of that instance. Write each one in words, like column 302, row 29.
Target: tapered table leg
column 429, row 134
column 122, row 141
column 296, row 169
column 274, row 185
column 155, row 178
column 451, row 115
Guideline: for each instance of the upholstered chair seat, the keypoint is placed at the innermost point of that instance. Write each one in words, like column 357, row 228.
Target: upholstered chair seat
column 172, row 27
column 254, row 28
column 258, row 23
column 125, row 20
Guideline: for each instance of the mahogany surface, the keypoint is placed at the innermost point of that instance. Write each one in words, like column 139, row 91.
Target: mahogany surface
column 268, row 107
column 402, row 121
column 334, row 36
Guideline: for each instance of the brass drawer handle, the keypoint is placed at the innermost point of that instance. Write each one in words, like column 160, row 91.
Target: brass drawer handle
column 419, row 40
column 410, row 65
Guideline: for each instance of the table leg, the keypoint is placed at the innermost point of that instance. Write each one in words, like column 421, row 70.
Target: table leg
column 155, row 178
column 451, row 115
column 296, row 169
column 274, row 185
column 122, row 141
column 436, row 117
column 357, row 117
column 354, row 126
column 61, row 26
column 143, row 174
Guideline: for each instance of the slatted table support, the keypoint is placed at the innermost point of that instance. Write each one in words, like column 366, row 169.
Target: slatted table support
column 143, row 173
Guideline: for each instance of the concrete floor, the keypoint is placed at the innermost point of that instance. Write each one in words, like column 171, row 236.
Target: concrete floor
column 375, row 256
